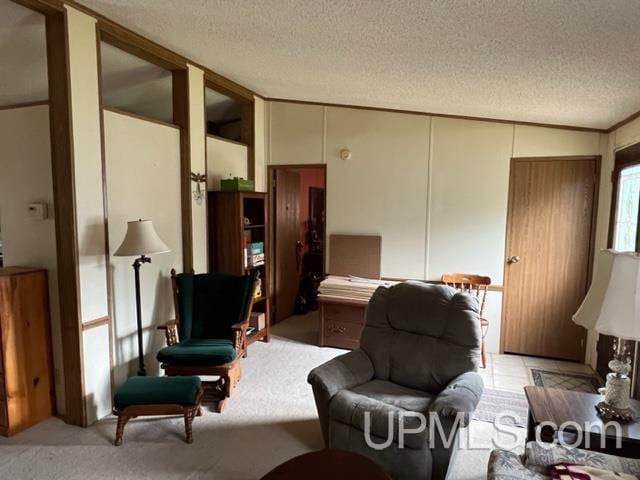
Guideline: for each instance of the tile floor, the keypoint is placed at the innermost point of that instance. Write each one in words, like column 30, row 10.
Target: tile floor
column 512, row 372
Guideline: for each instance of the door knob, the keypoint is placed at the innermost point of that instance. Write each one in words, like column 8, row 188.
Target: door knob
column 514, row 259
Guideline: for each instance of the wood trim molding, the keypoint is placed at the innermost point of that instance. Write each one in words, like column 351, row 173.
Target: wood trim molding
column 577, row 158
column 441, row 115
column 98, row 322
column 24, row 105
column 141, row 117
column 181, row 118
column 62, row 160
column 622, row 123
column 228, row 140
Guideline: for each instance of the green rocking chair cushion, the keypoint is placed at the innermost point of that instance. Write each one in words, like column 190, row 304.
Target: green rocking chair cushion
column 198, row 352
column 157, row 390
column 210, row 303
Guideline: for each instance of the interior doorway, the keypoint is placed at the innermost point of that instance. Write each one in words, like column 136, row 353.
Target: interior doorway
column 298, row 207
column 549, row 250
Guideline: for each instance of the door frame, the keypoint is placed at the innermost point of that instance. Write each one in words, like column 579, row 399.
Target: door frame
column 271, row 169
column 592, row 241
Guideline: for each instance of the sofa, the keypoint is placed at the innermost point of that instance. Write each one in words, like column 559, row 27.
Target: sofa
column 536, row 460
column 419, row 354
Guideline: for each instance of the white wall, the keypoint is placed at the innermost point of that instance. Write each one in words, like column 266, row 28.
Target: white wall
column 89, row 209
column 25, row 177
column 436, row 189
column 366, row 197
column 198, row 165
column 143, row 181
column 225, row 159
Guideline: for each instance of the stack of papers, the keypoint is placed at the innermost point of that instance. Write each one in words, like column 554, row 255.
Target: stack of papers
column 350, row 288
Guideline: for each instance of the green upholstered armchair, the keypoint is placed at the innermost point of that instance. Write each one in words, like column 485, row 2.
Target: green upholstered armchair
column 208, row 336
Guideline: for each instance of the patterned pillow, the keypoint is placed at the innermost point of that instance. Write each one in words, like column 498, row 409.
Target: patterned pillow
column 565, row 471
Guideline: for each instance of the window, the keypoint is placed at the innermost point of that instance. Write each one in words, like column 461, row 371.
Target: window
column 625, row 229
column 625, row 208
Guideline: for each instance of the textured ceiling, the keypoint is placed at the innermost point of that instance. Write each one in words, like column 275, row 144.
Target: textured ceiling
column 568, row 62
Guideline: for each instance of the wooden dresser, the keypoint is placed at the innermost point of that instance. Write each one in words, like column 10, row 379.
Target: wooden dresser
column 341, row 322
column 26, row 380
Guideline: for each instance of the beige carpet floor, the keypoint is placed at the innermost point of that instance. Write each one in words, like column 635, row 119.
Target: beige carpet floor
column 270, row 419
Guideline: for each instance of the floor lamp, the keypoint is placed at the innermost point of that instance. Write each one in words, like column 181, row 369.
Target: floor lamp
column 612, row 307
column 141, row 240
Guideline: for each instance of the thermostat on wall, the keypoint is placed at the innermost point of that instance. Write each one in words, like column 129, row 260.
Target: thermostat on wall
column 38, row 211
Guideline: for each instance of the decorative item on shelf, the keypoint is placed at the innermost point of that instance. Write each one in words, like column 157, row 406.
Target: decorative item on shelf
column 143, row 240
column 257, row 320
column 258, row 291
column 198, row 193
column 256, row 248
column 236, row 184
column 612, row 307
column 256, row 260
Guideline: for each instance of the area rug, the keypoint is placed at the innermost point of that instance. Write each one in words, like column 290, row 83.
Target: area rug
column 503, row 407
column 578, row 382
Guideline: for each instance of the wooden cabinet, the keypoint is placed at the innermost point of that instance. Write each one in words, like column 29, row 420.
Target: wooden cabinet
column 341, row 322
column 26, row 380
column 236, row 220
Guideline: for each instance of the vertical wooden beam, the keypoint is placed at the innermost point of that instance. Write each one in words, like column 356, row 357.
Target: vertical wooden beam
column 181, row 118
column 247, row 135
column 65, row 214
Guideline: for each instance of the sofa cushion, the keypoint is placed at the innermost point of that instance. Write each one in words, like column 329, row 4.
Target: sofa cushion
column 383, row 400
column 539, row 458
column 157, row 390
column 198, row 352
column 396, row 395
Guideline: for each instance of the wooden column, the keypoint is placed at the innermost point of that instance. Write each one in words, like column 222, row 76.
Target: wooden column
column 64, row 207
column 181, row 118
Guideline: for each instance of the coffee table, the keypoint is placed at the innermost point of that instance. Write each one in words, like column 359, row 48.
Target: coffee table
column 328, row 464
column 577, row 412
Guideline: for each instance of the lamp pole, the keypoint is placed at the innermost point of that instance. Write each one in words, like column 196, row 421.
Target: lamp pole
column 136, row 268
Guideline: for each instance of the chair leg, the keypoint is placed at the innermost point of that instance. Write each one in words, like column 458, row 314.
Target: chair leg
column 188, row 425
column 122, row 421
column 483, row 354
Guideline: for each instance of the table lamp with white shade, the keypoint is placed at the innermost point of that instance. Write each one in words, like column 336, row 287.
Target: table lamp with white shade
column 612, row 307
column 141, row 240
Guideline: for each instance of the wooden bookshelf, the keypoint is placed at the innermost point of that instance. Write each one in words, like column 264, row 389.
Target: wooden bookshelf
column 229, row 235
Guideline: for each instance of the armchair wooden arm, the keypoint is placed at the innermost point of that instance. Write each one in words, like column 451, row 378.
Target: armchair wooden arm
column 170, row 332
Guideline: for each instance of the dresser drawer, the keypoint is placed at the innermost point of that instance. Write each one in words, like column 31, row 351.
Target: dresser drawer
column 343, row 313
column 342, row 334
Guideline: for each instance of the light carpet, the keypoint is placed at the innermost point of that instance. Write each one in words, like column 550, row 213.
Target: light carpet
column 270, row 419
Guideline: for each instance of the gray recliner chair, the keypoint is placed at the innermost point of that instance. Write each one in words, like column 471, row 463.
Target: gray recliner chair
column 419, row 354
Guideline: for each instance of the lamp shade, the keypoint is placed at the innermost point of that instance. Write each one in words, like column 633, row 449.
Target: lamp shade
column 612, row 305
column 141, row 239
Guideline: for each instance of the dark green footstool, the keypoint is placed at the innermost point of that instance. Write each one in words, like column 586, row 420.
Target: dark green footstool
column 140, row 396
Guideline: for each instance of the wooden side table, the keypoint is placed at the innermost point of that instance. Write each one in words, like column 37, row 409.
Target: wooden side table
column 559, row 406
column 329, row 463
column 341, row 322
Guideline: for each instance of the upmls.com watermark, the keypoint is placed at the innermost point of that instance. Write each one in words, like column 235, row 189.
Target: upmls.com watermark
column 440, row 430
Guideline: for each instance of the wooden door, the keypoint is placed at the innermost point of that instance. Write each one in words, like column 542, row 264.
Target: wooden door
column 548, row 255
column 286, row 228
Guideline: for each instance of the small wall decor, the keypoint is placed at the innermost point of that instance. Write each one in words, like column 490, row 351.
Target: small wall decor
column 198, row 192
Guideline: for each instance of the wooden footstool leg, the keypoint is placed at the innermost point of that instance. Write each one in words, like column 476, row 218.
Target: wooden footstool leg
column 188, row 425
column 122, row 421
